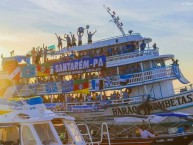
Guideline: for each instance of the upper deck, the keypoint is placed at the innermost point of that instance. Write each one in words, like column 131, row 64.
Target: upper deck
column 118, row 50
column 135, row 57
column 107, row 42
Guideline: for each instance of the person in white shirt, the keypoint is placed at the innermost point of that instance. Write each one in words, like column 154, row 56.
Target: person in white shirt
column 80, row 34
column 89, row 98
column 145, row 133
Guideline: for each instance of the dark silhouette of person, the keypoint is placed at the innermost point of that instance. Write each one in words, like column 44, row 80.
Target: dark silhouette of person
column 90, row 36
column 68, row 40
column 142, row 46
column 154, row 46
column 73, row 39
column 59, row 42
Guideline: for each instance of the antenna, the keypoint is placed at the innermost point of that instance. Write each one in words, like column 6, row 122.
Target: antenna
column 115, row 20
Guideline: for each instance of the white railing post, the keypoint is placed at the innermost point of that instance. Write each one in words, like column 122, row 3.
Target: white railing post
column 104, row 125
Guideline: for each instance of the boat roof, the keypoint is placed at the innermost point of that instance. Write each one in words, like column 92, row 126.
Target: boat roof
column 108, row 42
column 17, row 58
column 152, row 119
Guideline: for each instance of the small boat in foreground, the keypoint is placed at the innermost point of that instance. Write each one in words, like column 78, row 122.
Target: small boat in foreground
column 27, row 122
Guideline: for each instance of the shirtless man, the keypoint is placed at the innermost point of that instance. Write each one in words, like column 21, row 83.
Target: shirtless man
column 59, row 41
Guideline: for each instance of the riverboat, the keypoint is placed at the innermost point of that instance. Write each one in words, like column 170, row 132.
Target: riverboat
column 120, row 75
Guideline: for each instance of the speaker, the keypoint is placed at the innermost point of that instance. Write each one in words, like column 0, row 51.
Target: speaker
column 101, row 84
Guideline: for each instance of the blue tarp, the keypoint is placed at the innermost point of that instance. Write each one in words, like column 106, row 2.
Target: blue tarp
column 173, row 115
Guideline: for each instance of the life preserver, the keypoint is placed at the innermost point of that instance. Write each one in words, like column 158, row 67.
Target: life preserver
column 69, row 108
column 95, row 107
column 143, row 109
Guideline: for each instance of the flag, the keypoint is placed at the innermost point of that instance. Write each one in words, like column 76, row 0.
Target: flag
column 81, row 86
column 95, row 84
column 123, row 82
column 51, row 88
column 28, row 71
column 12, row 53
column 51, row 47
column 15, row 74
column 43, row 70
column 124, row 79
column 27, row 60
column 67, row 86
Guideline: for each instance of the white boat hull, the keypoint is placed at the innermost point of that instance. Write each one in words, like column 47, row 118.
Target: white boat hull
column 182, row 102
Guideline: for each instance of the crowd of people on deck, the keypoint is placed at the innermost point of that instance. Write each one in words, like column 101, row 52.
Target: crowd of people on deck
column 92, row 97
column 109, row 72
column 71, row 39
column 109, row 51
column 39, row 55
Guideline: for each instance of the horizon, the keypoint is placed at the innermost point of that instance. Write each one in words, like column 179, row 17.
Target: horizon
column 31, row 23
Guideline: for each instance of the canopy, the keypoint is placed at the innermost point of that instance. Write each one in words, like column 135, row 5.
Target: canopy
column 174, row 114
column 137, row 120
column 18, row 58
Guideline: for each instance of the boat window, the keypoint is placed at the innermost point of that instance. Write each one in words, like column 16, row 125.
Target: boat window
column 45, row 134
column 27, row 136
column 146, row 65
column 74, row 131
column 61, row 130
column 159, row 63
column 7, row 137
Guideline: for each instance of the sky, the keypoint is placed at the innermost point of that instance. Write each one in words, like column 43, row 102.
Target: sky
column 31, row 23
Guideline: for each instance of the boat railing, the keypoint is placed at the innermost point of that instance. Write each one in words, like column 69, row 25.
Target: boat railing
column 131, row 100
column 164, row 72
column 83, row 103
column 148, row 52
column 141, row 77
column 133, row 34
column 105, row 132
column 87, row 135
column 103, row 103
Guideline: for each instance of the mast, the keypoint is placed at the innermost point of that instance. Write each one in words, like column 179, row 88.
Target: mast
column 115, row 20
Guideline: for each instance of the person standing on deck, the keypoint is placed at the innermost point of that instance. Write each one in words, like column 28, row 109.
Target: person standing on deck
column 68, row 40
column 142, row 46
column 45, row 53
column 73, row 39
column 59, row 42
column 155, row 46
column 33, row 54
column 90, row 36
column 80, row 34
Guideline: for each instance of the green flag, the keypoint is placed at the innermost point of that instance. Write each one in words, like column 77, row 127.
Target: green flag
column 51, row 47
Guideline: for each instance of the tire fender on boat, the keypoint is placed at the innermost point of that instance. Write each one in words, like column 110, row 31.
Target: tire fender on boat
column 69, row 108
column 95, row 107
column 143, row 109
